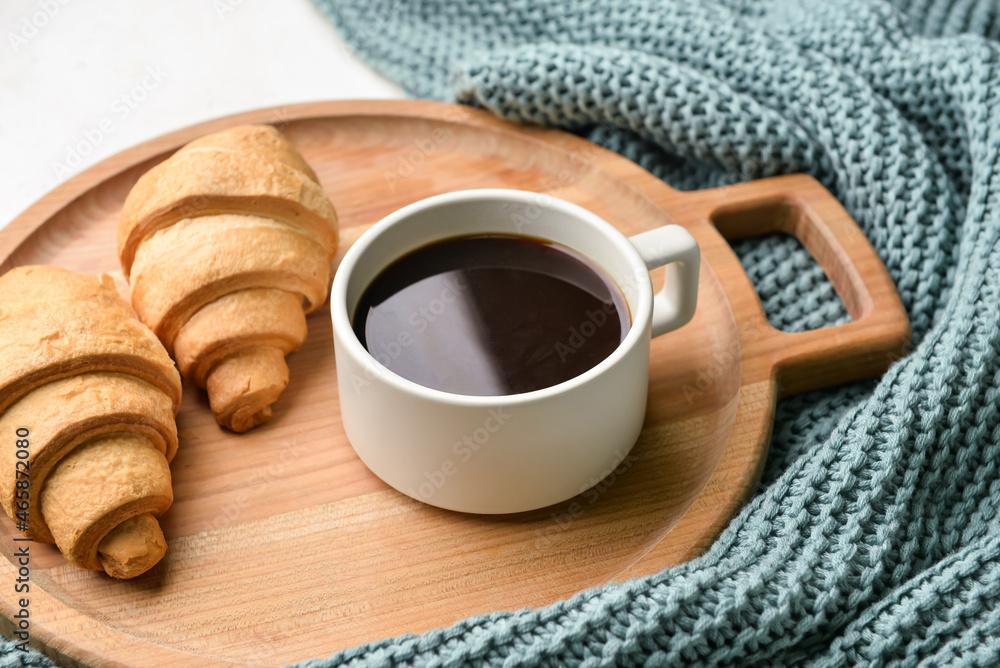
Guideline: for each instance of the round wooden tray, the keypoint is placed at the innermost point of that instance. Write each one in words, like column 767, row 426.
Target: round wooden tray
column 283, row 546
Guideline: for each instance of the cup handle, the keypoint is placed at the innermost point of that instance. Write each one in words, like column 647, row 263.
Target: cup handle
column 673, row 246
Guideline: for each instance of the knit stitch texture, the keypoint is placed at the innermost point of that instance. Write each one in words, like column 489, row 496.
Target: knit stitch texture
column 874, row 539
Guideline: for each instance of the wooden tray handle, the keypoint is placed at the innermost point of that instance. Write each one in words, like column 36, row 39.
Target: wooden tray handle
column 879, row 331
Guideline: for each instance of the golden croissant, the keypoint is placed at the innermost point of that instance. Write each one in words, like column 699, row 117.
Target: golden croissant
column 227, row 245
column 88, row 397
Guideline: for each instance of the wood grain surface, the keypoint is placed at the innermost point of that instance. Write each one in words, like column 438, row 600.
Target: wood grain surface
column 283, row 546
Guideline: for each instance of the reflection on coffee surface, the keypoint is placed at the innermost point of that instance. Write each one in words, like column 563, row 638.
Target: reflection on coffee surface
column 491, row 315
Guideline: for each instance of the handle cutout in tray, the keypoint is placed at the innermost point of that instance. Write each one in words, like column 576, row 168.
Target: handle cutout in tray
column 795, row 292
column 877, row 332
column 786, row 216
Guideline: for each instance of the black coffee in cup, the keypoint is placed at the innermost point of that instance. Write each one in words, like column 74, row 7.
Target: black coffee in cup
column 491, row 315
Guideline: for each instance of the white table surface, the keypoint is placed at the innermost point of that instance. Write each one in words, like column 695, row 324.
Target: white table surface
column 81, row 80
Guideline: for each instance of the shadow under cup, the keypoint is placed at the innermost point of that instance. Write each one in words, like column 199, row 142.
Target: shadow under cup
column 492, row 454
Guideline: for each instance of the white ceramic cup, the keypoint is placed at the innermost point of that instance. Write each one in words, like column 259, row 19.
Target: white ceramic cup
column 512, row 453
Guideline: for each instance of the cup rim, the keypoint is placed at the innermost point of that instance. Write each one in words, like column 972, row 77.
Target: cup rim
column 342, row 320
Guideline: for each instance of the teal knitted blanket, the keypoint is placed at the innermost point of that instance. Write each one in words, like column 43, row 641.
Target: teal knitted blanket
column 875, row 537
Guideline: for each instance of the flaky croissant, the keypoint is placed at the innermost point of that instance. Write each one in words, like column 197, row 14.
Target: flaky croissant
column 88, row 397
column 227, row 245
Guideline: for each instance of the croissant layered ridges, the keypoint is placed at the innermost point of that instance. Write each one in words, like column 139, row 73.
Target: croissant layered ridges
column 97, row 395
column 261, row 317
column 249, row 170
column 263, row 141
column 46, row 337
column 219, row 255
column 228, row 245
column 100, row 485
column 69, row 412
